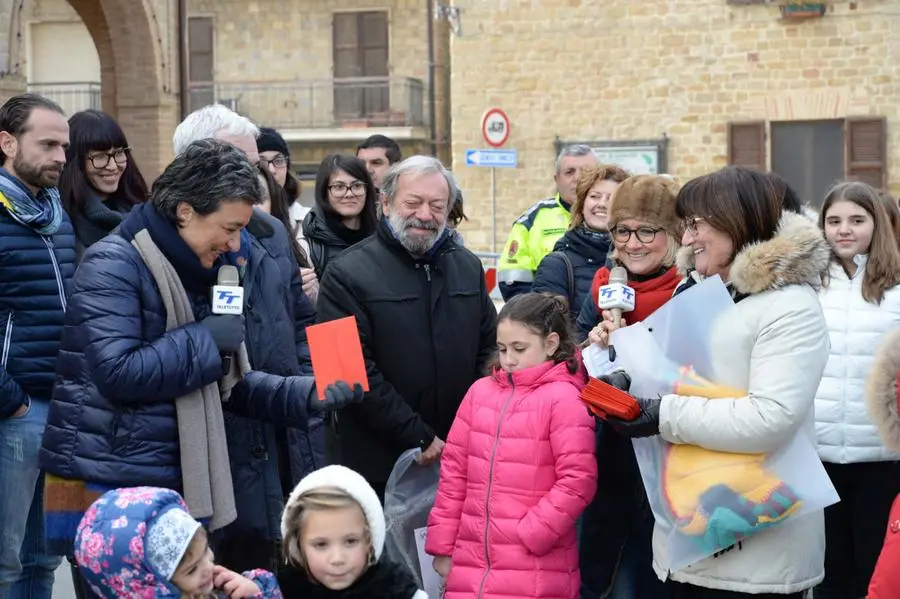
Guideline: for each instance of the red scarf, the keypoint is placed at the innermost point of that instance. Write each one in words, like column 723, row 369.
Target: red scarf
column 649, row 295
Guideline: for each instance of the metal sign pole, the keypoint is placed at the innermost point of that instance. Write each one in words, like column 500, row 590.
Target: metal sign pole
column 493, row 210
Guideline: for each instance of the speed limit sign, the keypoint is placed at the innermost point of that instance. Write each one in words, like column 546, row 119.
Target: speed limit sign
column 495, row 127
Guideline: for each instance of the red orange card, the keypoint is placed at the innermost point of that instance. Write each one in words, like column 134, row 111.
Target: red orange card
column 336, row 354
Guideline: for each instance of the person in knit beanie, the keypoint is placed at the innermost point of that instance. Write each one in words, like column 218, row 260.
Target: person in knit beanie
column 333, row 529
column 275, row 157
column 646, row 234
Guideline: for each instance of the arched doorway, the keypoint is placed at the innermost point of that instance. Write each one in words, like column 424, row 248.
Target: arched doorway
column 137, row 44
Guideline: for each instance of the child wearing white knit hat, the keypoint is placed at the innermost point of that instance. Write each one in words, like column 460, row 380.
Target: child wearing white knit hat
column 333, row 528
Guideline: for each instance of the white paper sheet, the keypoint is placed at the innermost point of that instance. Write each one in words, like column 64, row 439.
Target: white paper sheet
column 430, row 578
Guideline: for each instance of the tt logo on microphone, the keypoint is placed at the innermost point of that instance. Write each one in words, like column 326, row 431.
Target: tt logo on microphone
column 607, row 292
column 629, row 294
column 228, row 297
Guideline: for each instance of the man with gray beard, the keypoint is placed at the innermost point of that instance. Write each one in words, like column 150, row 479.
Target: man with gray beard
column 426, row 322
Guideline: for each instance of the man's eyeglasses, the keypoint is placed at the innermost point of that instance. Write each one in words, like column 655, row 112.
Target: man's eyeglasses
column 623, row 234
column 340, row 188
column 278, row 162
column 101, row 159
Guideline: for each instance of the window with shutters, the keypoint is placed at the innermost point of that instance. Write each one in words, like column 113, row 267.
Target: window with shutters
column 747, row 144
column 201, row 61
column 809, row 155
column 361, row 86
column 812, row 155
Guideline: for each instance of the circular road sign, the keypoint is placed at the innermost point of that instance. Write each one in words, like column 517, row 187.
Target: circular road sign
column 495, row 127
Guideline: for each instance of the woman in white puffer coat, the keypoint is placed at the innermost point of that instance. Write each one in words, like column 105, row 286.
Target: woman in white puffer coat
column 861, row 302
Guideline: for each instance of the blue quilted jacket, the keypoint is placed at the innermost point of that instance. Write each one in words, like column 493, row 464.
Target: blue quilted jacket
column 112, row 419
column 35, row 271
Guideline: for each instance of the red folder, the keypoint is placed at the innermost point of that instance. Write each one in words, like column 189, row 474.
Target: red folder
column 336, row 354
column 604, row 400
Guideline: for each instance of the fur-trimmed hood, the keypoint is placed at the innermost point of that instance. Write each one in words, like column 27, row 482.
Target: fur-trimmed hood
column 797, row 255
column 881, row 391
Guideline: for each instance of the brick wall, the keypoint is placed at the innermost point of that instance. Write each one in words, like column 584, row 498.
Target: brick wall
column 636, row 70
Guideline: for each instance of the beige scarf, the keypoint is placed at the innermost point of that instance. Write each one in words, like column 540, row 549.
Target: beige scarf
column 205, row 471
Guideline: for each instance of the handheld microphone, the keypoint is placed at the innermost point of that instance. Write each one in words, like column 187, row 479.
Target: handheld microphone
column 227, row 298
column 617, row 297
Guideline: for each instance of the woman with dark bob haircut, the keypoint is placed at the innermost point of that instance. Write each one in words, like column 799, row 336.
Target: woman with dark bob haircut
column 344, row 212
column 149, row 358
column 101, row 181
column 773, row 343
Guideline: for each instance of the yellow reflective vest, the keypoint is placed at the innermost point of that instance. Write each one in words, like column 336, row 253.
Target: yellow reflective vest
column 532, row 237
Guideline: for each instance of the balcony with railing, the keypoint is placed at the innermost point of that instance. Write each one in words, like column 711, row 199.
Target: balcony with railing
column 72, row 97
column 306, row 108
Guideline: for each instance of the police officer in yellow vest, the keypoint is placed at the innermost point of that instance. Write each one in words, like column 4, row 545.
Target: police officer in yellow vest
column 536, row 232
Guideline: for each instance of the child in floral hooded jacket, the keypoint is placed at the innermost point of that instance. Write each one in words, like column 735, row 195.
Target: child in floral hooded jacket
column 141, row 543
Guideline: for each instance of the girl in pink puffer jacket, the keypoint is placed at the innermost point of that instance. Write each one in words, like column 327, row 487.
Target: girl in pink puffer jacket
column 519, row 467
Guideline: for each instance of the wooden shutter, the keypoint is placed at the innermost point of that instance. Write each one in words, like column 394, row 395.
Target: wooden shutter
column 360, row 43
column 201, row 61
column 346, row 45
column 747, row 144
column 373, row 29
column 865, row 153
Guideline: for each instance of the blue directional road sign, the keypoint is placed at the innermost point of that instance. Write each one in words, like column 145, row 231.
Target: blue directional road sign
column 492, row 158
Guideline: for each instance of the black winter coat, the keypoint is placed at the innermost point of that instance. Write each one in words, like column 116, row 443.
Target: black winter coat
column 324, row 242
column 384, row 580
column 428, row 329
column 587, row 251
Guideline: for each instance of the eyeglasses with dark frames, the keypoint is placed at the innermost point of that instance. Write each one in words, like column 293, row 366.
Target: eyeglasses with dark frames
column 101, row 160
column 623, row 234
column 340, row 188
column 278, row 161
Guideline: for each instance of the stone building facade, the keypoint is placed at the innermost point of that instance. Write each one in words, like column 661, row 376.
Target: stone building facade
column 716, row 81
column 707, row 82
column 327, row 74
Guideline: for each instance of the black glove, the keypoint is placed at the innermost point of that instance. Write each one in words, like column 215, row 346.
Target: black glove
column 227, row 331
column 337, row 395
column 618, row 379
column 645, row 425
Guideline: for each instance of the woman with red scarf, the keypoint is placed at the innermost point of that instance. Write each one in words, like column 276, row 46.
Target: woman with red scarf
column 615, row 550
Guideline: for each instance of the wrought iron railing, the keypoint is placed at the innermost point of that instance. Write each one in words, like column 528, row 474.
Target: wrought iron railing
column 71, row 96
column 326, row 103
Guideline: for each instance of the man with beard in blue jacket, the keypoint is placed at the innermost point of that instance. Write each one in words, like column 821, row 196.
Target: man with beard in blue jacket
column 37, row 260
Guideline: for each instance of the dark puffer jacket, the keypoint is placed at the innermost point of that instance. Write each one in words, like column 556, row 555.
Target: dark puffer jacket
column 428, row 328
column 324, row 242
column 112, row 419
column 305, row 448
column 587, row 251
column 35, row 271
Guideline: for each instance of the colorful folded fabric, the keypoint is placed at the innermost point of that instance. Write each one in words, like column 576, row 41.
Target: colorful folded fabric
column 718, row 498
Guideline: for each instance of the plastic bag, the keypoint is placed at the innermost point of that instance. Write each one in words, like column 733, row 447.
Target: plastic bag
column 706, row 501
column 408, row 499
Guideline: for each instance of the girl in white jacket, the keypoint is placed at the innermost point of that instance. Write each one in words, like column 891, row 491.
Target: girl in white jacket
column 861, row 302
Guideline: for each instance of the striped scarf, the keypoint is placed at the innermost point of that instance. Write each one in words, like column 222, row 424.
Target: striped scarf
column 43, row 212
